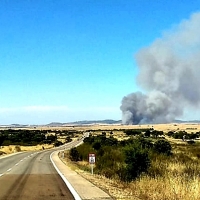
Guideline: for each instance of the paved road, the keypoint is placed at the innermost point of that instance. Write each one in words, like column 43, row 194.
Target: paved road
column 31, row 176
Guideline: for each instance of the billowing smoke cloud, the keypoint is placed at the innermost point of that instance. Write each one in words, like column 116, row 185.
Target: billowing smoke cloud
column 169, row 73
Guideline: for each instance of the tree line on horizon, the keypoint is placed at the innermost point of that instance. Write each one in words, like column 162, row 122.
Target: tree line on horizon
column 32, row 137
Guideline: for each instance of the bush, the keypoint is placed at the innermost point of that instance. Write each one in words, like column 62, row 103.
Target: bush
column 2, row 153
column 17, row 148
column 144, row 143
column 84, row 150
column 58, row 143
column 68, row 139
column 147, row 133
column 109, row 161
column 96, row 145
column 74, row 155
column 89, row 139
column 133, row 132
column 163, row 147
column 137, row 161
column 191, row 142
column 179, row 135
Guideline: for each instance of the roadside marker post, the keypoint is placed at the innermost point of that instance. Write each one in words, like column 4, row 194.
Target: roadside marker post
column 63, row 154
column 92, row 161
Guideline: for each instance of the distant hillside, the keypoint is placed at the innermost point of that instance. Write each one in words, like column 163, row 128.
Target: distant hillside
column 86, row 122
column 55, row 124
column 189, row 121
column 106, row 121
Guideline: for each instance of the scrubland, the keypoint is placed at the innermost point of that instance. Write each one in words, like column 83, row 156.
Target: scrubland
column 169, row 177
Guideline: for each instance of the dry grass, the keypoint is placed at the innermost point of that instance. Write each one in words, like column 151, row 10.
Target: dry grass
column 194, row 127
column 175, row 184
column 169, row 187
column 166, row 188
column 189, row 127
column 178, row 180
column 12, row 148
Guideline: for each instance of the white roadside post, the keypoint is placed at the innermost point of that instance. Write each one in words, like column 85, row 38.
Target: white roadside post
column 92, row 161
column 63, row 154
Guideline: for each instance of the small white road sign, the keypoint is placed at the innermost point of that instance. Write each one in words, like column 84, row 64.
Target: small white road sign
column 91, row 158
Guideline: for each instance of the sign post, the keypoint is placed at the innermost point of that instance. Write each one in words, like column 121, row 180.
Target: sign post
column 92, row 161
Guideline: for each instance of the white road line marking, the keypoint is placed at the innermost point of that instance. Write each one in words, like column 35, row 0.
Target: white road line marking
column 1, row 175
column 17, row 164
column 21, row 160
column 9, row 169
column 72, row 190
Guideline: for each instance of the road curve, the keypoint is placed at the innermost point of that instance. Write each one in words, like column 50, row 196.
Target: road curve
column 31, row 176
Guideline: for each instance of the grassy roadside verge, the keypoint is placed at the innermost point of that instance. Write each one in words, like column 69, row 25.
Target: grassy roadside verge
column 175, row 177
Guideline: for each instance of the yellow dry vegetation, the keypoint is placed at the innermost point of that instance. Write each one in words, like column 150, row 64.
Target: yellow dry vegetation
column 16, row 148
column 172, row 185
column 178, row 181
column 189, row 127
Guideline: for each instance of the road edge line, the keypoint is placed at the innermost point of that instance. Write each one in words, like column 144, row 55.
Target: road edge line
column 72, row 190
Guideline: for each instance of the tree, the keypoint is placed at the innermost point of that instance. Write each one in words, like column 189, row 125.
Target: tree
column 68, row 139
column 156, row 133
column 57, row 143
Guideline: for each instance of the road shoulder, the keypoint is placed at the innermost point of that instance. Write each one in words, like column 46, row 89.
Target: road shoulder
column 85, row 189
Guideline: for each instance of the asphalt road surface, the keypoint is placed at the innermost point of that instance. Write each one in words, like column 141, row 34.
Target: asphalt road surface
column 31, row 176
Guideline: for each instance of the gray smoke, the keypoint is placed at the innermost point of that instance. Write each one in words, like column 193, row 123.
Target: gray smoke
column 169, row 73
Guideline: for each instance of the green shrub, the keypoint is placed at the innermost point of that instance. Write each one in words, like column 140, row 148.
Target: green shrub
column 68, row 139
column 162, row 146
column 156, row 133
column 144, row 143
column 89, row 139
column 74, row 155
column 84, row 150
column 137, row 161
column 96, row 145
column 147, row 133
column 58, row 143
column 191, row 142
column 109, row 162
column 179, row 135
column 133, row 132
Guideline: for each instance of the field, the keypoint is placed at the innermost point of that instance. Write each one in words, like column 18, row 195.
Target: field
column 194, row 127
column 189, row 127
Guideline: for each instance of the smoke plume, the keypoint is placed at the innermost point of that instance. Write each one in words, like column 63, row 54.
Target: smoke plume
column 169, row 73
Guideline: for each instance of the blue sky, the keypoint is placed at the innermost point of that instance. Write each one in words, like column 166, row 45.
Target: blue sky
column 71, row 60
